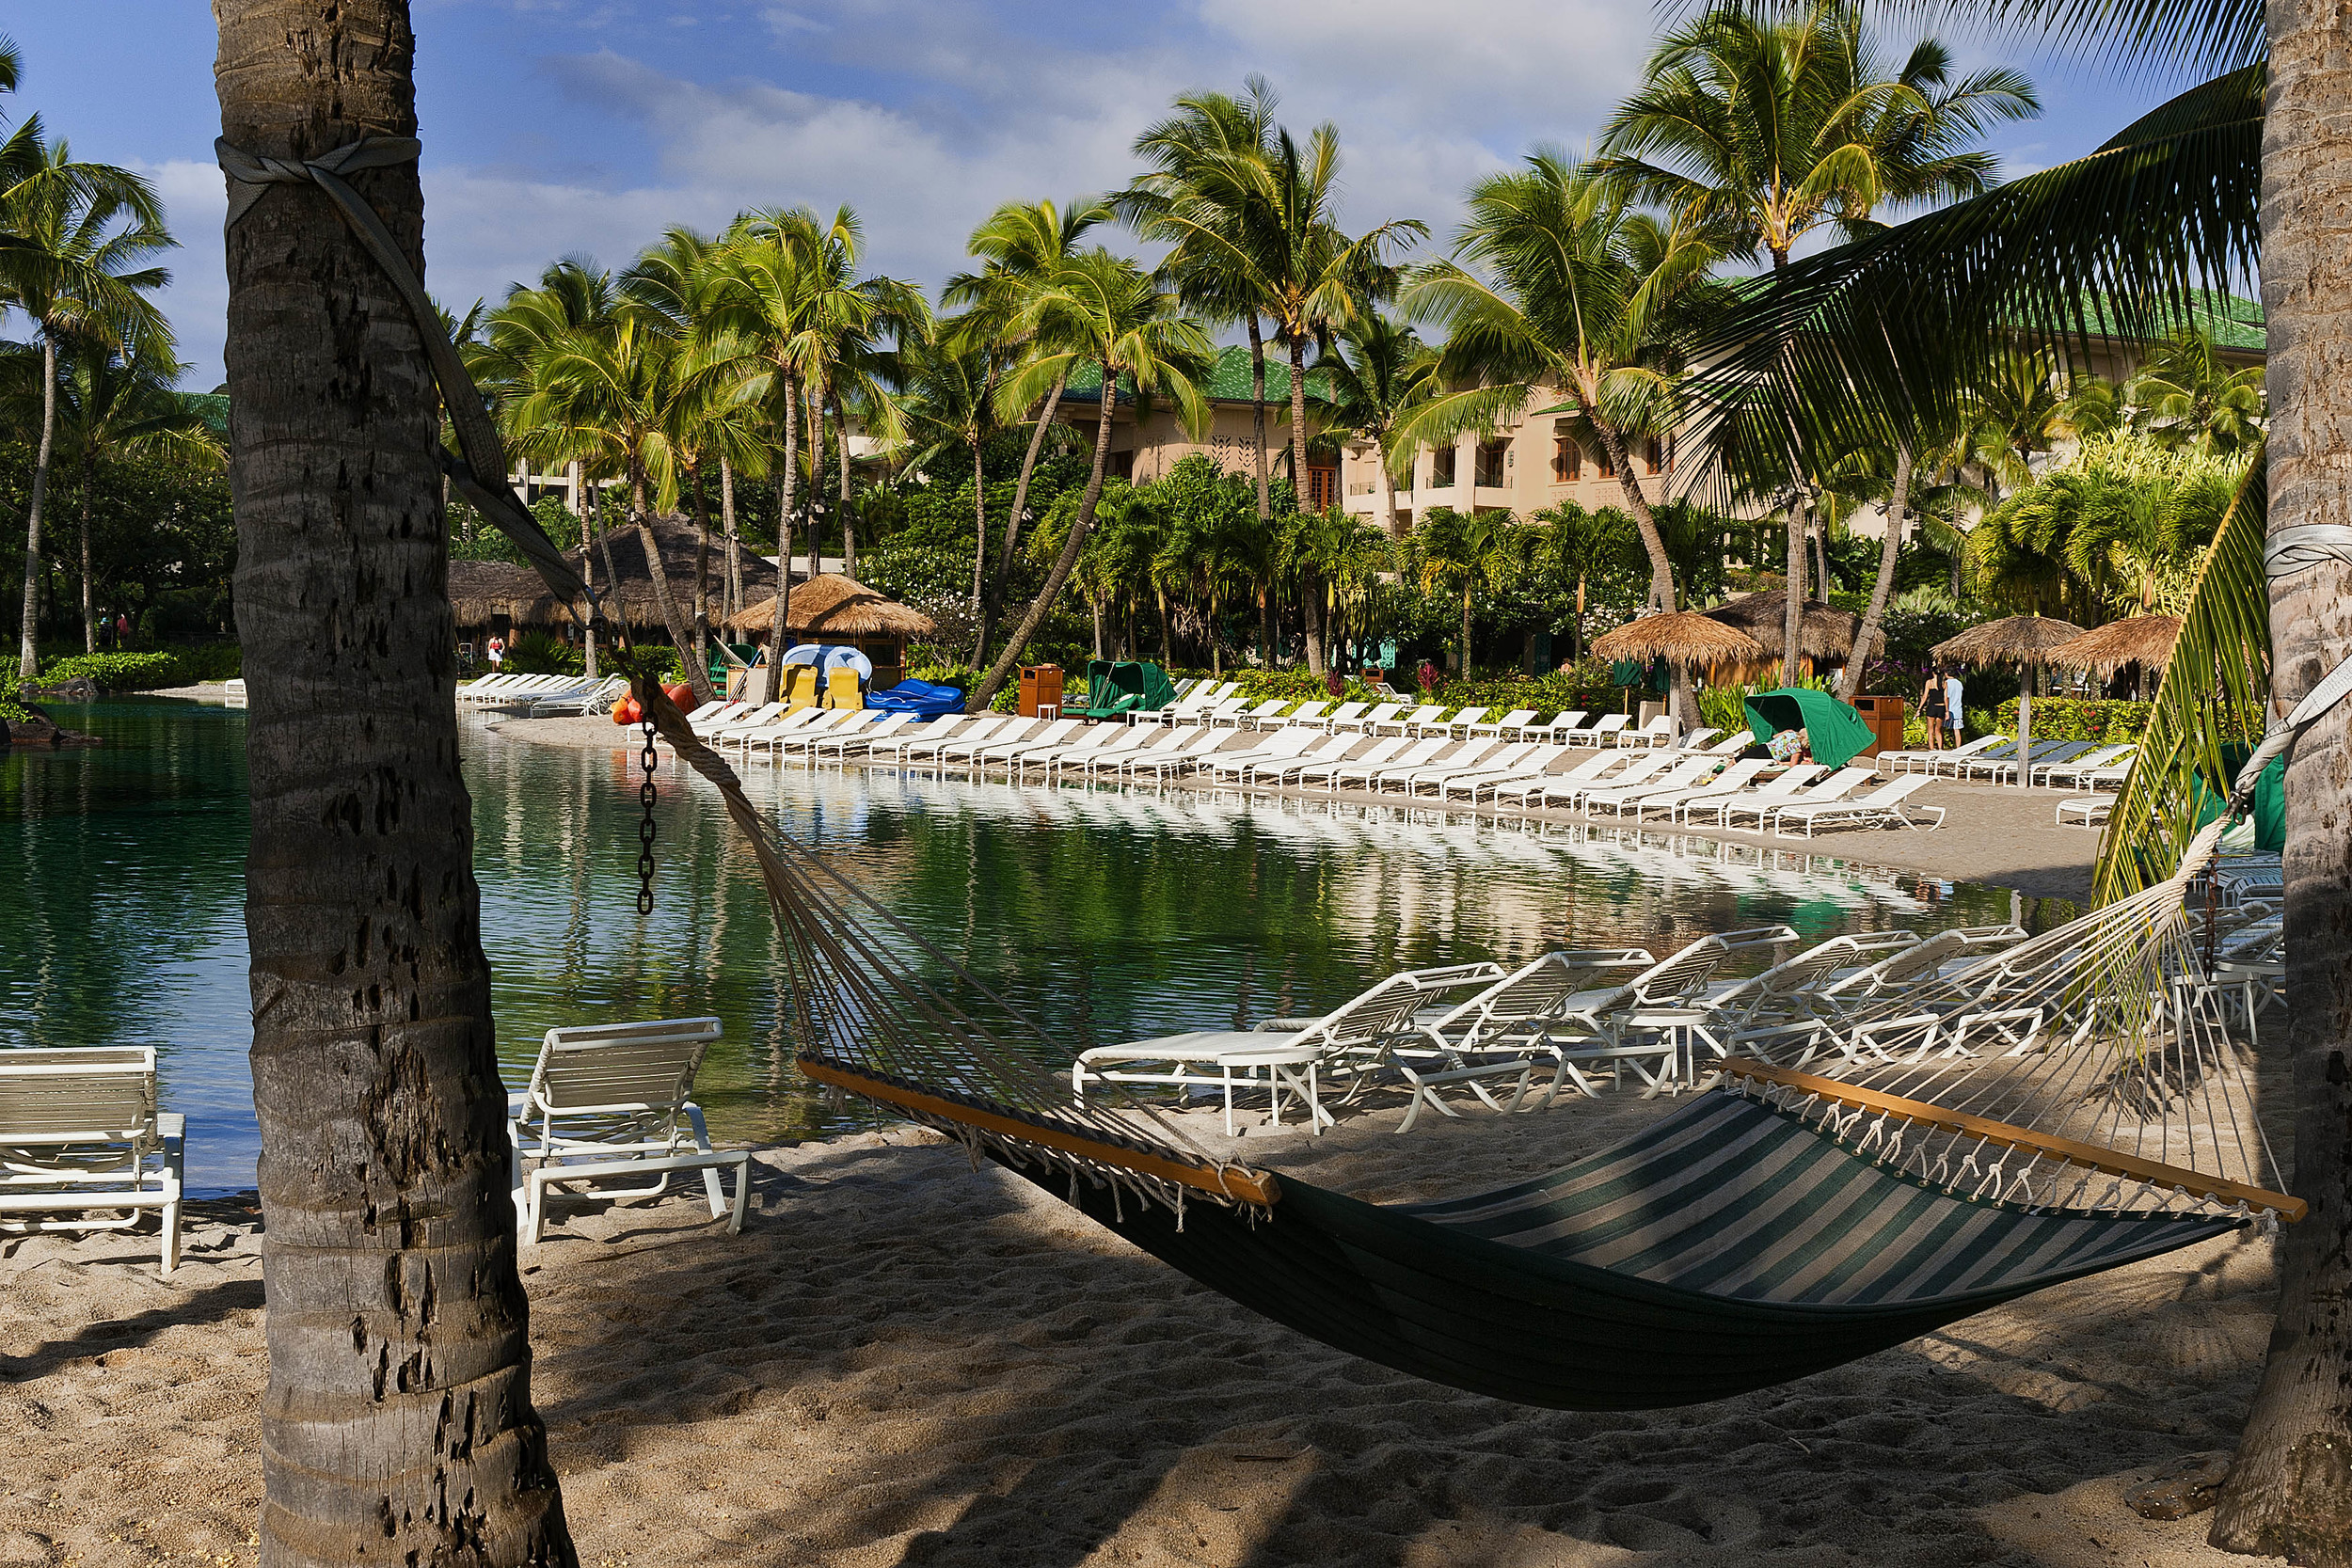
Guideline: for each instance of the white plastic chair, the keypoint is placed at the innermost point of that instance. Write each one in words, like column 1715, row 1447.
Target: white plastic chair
column 609, row 1100
column 80, row 1135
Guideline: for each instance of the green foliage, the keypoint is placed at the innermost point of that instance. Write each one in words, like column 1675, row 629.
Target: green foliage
column 2077, row 719
column 487, row 544
column 163, row 543
column 543, row 652
column 116, row 672
column 12, row 711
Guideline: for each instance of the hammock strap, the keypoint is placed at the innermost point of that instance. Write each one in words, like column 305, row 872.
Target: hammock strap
column 481, row 474
column 2291, row 552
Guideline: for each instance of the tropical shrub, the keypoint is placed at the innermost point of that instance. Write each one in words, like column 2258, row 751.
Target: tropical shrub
column 12, row 711
column 542, row 653
column 2101, row 719
column 116, row 672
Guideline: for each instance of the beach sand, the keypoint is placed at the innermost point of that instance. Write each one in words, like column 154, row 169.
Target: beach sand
column 2004, row 837
column 904, row 1361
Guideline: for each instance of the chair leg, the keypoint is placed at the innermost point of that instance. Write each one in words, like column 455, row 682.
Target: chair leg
column 534, row 1207
column 171, row 1236
column 742, row 1195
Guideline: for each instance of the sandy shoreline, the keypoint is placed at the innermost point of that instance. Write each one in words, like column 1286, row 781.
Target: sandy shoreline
column 2000, row 837
column 903, row 1361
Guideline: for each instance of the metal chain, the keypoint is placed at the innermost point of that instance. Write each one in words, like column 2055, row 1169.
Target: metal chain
column 645, row 829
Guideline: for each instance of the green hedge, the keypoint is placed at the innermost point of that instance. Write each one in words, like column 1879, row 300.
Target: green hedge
column 2077, row 719
column 12, row 710
column 116, row 671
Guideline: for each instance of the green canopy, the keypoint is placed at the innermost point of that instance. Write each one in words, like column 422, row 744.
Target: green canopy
column 1125, row 687
column 1835, row 732
column 2270, row 816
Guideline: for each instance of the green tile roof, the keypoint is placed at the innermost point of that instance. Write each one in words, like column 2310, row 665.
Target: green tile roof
column 1228, row 383
column 211, row 407
column 2232, row 321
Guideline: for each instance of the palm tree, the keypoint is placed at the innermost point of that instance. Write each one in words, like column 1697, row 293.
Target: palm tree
column 949, row 402
column 1463, row 551
column 1329, row 555
column 1211, row 258
column 1557, row 283
column 1251, row 215
column 398, row 1422
column 1576, row 544
column 1761, row 131
column 2186, row 395
column 78, row 266
column 1112, row 314
column 630, row 388
column 1020, row 247
column 1378, row 372
column 111, row 407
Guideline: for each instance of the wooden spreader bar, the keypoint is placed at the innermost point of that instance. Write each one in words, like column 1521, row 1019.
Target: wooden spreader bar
column 2113, row 1162
column 1238, row 1182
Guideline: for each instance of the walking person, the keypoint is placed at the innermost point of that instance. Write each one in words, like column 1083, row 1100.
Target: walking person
column 1931, row 710
column 495, row 651
column 1952, row 710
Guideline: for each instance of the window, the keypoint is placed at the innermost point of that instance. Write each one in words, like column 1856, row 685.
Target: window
column 1441, row 468
column 1123, row 465
column 1489, row 463
column 1568, row 458
column 1323, row 488
column 1600, row 461
column 1654, row 455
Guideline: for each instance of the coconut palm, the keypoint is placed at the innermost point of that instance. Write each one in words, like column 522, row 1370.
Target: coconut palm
column 397, row 1424
column 1375, row 372
column 1330, row 558
column 1761, row 129
column 110, row 406
column 630, row 389
column 1555, row 282
column 1249, row 213
column 1463, row 552
column 1576, row 544
column 2186, row 395
column 80, row 266
column 949, row 402
column 1019, row 246
column 1104, row 309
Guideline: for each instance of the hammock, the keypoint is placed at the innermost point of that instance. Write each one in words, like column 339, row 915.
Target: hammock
column 2068, row 1106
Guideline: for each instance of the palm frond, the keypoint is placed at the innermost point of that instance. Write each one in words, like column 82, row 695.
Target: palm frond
column 2215, row 689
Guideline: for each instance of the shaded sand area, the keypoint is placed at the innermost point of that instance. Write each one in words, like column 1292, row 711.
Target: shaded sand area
column 2002, row 837
column 900, row 1361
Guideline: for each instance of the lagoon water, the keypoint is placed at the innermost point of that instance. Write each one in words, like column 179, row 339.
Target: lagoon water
column 1106, row 915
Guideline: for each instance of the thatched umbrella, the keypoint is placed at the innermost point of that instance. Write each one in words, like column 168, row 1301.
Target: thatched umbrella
column 2142, row 639
column 2024, row 641
column 1684, row 639
column 832, row 606
column 1825, row 633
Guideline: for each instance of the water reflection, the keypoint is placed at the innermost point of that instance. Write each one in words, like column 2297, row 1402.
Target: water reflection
column 1102, row 914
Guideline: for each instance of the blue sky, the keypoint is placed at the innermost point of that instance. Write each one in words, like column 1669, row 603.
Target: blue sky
column 554, row 126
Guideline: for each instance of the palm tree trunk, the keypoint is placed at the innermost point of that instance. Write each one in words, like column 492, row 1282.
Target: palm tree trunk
column 1865, row 643
column 696, row 676
column 980, row 553
column 848, row 513
column 735, row 540
column 815, row 477
column 1063, row 564
column 1792, row 616
column 89, row 613
column 1388, row 498
column 1661, row 571
column 1257, row 414
column 397, row 1425
column 2290, row 1491
column 588, row 577
column 784, row 499
column 28, row 654
column 1020, row 486
column 1310, row 610
column 1298, row 420
column 702, row 571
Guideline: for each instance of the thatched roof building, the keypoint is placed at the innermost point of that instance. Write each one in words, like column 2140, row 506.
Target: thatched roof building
column 835, row 609
column 1682, row 637
column 2142, row 639
column 1825, row 633
column 484, row 592
column 2021, row 639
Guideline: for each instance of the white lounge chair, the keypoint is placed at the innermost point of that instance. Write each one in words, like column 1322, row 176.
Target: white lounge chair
column 1464, row 756
column 1658, row 732
column 1571, row 788
column 610, row 1101
column 1558, row 728
column 842, row 745
column 2085, row 810
column 1529, row 759
column 1461, row 725
column 1162, row 763
column 1604, row 731
column 598, row 698
column 2072, row 770
column 1731, row 781
column 1925, row 760
column 1365, row 771
column 1322, row 771
column 1504, row 1031
column 1653, row 1022
column 1758, row 805
column 1684, row 774
column 1410, row 723
column 1369, row 723
column 1279, row 746
column 1783, row 788
column 1883, row 807
column 1277, row 770
column 83, row 1146
column 1512, row 724
column 1289, row 1059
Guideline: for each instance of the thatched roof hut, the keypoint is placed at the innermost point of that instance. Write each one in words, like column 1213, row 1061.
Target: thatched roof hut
column 835, row 609
column 482, row 591
column 1682, row 637
column 2142, row 639
column 2021, row 639
column 1825, row 633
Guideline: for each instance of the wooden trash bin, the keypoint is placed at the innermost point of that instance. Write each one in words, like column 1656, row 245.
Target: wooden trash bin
column 1041, row 687
column 1886, row 716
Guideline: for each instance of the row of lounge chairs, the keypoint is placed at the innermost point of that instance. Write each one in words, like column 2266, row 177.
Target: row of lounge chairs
column 1701, row 782
column 1216, row 707
column 1993, row 759
column 1519, row 1039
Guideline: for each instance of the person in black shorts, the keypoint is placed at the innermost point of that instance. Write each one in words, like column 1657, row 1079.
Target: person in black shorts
column 1931, row 710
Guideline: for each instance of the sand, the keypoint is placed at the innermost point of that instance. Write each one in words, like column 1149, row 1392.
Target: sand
column 2004, row 837
column 902, row 1361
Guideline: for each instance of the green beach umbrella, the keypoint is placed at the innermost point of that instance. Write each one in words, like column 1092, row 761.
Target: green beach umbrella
column 1835, row 731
